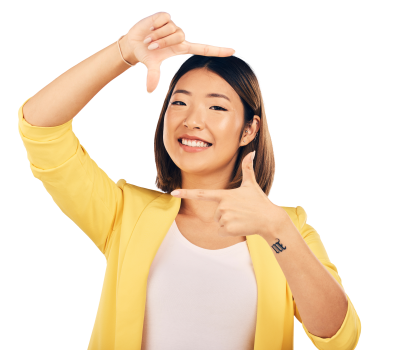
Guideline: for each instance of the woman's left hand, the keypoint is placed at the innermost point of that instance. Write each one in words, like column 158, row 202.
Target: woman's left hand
column 242, row 211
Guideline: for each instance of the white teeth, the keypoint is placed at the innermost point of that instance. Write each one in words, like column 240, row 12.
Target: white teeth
column 194, row 143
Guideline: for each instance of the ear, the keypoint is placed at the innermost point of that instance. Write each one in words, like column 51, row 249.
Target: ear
column 250, row 131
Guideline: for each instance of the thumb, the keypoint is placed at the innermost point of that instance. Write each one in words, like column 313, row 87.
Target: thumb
column 248, row 167
column 153, row 76
column 251, row 160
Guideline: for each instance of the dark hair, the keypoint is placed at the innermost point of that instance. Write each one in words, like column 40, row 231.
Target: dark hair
column 241, row 77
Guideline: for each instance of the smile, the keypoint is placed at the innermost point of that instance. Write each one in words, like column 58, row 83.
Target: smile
column 192, row 149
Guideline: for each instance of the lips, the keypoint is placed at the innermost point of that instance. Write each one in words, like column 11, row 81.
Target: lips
column 209, row 144
column 180, row 140
column 190, row 137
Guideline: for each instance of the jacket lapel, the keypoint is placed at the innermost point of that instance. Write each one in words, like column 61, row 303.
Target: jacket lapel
column 271, row 283
column 140, row 246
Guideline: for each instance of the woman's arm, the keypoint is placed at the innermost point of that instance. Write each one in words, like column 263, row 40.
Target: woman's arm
column 63, row 98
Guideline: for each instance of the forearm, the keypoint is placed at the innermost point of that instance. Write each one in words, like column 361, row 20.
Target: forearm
column 320, row 299
column 63, row 98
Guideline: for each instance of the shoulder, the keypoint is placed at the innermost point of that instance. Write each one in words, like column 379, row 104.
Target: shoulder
column 137, row 192
column 297, row 214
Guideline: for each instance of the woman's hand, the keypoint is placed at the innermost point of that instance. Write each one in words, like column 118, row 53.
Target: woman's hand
column 171, row 41
column 245, row 210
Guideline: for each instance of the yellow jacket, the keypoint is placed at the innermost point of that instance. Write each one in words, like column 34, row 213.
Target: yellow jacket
column 128, row 223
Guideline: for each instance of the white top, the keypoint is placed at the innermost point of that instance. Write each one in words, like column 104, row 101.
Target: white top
column 200, row 298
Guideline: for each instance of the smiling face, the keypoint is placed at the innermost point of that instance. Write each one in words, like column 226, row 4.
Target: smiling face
column 196, row 109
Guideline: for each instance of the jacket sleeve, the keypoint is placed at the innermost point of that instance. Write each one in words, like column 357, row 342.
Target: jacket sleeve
column 77, row 185
column 348, row 335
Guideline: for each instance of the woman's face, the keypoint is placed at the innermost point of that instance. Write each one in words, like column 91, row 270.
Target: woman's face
column 195, row 109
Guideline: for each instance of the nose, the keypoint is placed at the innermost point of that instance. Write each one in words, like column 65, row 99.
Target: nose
column 194, row 119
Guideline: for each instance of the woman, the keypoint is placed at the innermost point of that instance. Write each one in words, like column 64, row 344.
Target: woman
column 219, row 120
column 222, row 267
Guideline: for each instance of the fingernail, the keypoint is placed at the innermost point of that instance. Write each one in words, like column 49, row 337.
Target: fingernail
column 152, row 46
column 147, row 40
column 152, row 28
column 175, row 193
column 252, row 156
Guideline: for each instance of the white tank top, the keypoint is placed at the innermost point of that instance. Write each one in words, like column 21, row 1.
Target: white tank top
column 200, row 299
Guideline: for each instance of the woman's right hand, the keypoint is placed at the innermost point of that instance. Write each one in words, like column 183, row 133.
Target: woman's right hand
column 171, row 42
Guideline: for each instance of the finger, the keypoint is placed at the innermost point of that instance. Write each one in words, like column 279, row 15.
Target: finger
column 159, row 19
column 209, row 195
column 158, row 33
column 208, row 50
column 173, row 39
column 248, row 169
column 153, row 77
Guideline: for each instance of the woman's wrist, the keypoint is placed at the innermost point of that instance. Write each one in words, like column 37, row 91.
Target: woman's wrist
column 127, row 51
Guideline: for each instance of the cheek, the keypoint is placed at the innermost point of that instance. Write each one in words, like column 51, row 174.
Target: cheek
column 168, row 136
column 167, row 125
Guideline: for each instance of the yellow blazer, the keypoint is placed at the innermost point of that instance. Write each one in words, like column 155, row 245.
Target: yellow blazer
column 128, row 223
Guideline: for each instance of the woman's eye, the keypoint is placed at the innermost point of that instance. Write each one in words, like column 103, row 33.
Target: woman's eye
column 221, row 108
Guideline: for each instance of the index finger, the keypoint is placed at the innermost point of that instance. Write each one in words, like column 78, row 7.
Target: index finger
column 208, row 50
column 209, row 195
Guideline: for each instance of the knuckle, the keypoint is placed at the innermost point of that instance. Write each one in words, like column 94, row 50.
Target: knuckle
column 200, row 193
column 165, row 15
column 205, row 50
column 172, row 26
column 182, row 35
column 162, row 43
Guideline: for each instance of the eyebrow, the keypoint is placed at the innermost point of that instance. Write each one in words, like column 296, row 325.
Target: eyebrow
column 207, row 95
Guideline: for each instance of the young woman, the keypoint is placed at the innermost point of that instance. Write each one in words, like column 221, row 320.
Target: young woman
column 215, row 264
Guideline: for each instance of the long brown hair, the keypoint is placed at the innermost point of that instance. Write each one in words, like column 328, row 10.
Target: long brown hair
column 241, row 77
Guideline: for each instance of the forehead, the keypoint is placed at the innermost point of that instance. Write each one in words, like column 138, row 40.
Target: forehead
column 201, row 81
